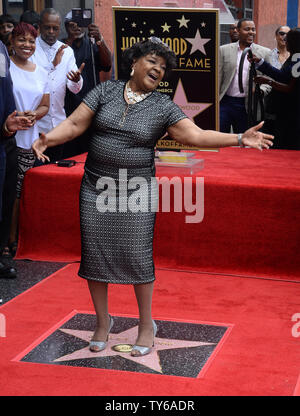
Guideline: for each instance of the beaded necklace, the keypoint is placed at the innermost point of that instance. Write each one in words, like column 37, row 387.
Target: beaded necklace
column 133, row 97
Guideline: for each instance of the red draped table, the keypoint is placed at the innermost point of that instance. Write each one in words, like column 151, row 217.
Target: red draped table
column 250, row 225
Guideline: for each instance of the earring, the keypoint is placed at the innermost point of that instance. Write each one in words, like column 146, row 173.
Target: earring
column 132, row 72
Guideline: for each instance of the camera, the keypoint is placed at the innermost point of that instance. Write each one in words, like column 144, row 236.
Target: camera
column 83, row 17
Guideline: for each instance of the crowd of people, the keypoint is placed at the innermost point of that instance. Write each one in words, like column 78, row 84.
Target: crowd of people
column 121, row 121
column 279, row 86
column 49, row 80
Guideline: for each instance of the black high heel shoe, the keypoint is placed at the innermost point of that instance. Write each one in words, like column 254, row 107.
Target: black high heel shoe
column 101, row 345
column 138, row 350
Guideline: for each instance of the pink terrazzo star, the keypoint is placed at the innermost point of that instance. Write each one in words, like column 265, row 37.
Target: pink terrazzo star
column 191, row 109
column 127, row 337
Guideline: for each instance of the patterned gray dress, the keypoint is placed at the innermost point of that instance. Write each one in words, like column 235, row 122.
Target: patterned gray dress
column 118, row 193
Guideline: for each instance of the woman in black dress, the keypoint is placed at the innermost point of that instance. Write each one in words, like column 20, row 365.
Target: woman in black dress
column 285, row 94
column 127, row 118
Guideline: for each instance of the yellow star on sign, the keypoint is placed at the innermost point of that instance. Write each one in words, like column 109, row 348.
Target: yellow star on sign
column 166, row 27
column 183, row 21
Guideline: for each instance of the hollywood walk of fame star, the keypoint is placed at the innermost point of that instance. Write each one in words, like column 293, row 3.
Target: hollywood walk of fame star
column 166, row 27
column 191, row 109
column 128, row 337
column 198, row 43
column 183, row 22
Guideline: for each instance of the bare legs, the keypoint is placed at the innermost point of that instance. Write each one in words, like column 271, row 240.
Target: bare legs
column 143, row 293
column 98, row 292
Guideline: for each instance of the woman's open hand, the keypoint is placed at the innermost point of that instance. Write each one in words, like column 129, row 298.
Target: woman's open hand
column 39, row 146
column 256, row 139
column 17, row 121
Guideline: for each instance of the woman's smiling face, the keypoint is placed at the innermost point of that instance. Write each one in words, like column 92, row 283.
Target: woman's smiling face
column 149, row 70
column 23, row 45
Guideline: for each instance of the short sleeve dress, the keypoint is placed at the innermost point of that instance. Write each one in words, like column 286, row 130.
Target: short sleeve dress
column 119, row 195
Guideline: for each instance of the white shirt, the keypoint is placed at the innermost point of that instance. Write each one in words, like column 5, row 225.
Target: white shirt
column 58, row 81
column 234, row 90
column 28, row 89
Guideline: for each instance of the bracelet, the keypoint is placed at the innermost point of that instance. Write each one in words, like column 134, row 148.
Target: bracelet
column 240, row 136
column 10, row 133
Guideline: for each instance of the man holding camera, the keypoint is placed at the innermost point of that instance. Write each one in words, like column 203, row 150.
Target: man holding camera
column 89, row 48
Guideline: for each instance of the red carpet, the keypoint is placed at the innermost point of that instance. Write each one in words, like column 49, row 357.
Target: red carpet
column 297, row 389
column 250, row 226
column 258, row 357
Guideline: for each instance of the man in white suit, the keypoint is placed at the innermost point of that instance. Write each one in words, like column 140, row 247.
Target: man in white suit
column 233, row 113
column 59, row 60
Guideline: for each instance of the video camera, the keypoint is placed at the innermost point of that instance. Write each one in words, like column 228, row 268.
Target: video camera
column 83, row 17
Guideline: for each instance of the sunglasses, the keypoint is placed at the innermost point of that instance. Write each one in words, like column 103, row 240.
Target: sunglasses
column 282, row 33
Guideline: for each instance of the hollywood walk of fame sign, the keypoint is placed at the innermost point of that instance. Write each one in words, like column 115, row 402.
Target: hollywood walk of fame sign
column 193, row 35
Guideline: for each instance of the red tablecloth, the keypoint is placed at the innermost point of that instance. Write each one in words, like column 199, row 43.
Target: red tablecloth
column 250, row 226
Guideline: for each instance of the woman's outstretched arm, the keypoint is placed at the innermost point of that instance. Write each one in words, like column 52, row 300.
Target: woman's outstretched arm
column 67, row 130
column 188, row 133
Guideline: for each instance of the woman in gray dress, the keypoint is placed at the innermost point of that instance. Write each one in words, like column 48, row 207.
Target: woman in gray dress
column 128, row 117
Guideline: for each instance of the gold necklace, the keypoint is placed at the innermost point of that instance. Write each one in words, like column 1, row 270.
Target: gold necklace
column 124, row 114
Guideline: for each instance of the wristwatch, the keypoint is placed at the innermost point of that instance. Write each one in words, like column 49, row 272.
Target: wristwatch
column 270, row 82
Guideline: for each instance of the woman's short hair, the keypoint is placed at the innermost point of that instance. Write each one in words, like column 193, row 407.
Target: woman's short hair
column 22, row 28
column 293, row 40
column 152, row 45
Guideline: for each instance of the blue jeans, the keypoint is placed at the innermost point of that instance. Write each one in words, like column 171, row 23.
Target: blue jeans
column 233, row 114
